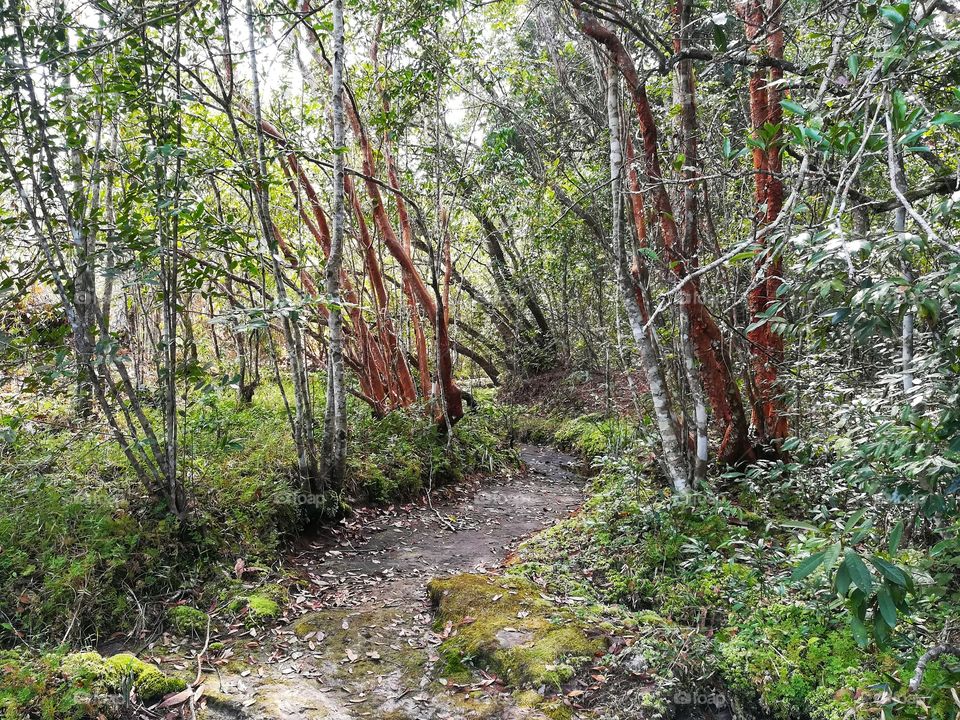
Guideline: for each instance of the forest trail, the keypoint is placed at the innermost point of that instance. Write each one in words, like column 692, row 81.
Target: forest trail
column 366, row 647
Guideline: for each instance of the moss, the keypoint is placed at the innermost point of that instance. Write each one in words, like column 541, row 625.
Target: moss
column 274, row 591
column 729, row 586
column 186, row 620
column 784, row 654
column 535, row 428
column 504, row 625
column 120, row 673
column 261, row 608
column 32, row 686
column 594, row 435
column 556, row 710
column 527, row 698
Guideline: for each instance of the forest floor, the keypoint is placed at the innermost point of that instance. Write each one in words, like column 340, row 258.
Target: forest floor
column 361, row 642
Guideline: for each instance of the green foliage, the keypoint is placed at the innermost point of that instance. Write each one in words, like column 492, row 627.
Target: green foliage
column 640, row 547
column 782, row 654
column 186, row 620
column 713, row 563
column 398, row 456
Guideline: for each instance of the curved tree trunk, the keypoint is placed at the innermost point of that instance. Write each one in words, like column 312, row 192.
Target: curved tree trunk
column 718, row 381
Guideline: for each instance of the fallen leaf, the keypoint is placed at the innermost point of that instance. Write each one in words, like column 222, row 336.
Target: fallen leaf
column 179, row 698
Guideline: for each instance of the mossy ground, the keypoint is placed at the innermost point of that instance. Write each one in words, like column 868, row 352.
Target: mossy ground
column 503, row 625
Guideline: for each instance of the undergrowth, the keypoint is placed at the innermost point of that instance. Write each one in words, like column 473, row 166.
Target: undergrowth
column 84, row 550
column 712, row 574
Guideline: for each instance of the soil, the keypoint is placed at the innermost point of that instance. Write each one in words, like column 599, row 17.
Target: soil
column 360, row 642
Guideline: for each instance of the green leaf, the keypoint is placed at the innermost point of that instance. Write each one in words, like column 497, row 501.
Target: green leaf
column 947, row 118
column 860, row 633
column 854, row 519
column 795, row 108
column 888, row 610
column 892, row 14
column 832, row 554
column 799, row 525
column 942, row 546
column 862, row 532
column 853, row 64
column 881, row 630
column 859, row 572
column 790, row 444
column 889, row 571
column 841, row 581
column 719, row 37
column 895, row 535
column 807, row 566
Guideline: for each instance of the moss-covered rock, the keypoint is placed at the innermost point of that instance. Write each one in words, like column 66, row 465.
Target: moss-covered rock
column 503, row 624
column 261, row 609
column 120, row 674
column 186, row 620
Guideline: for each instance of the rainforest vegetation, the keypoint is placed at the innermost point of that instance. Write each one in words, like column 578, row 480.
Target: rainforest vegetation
column 454, row 359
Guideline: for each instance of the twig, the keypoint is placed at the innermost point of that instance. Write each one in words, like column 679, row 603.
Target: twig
column 203, row 651
column 929, row 656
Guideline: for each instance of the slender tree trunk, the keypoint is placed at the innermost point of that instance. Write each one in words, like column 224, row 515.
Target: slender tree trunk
column 673, row 463
column 303, row 422
column 335, row 418
column 691, row 234
column 766, row 344
column 899, row 181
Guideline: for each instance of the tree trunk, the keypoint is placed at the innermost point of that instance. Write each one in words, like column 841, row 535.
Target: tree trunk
column 718, row 381
column 766, row 344
column 691, row 233
column 334, row 465
column 672, row 463
column 293, row 339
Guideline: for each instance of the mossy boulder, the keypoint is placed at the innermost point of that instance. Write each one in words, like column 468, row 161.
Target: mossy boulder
column 119, row 674
column 186, row 620
column 504, row 625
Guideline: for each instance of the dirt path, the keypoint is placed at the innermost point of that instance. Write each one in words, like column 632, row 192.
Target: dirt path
column 366, row 647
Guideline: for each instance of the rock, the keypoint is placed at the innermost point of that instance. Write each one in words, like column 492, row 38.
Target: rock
column 120, row 674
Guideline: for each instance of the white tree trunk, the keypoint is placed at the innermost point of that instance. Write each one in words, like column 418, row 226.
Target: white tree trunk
column 335, row 420
column 673, row 463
